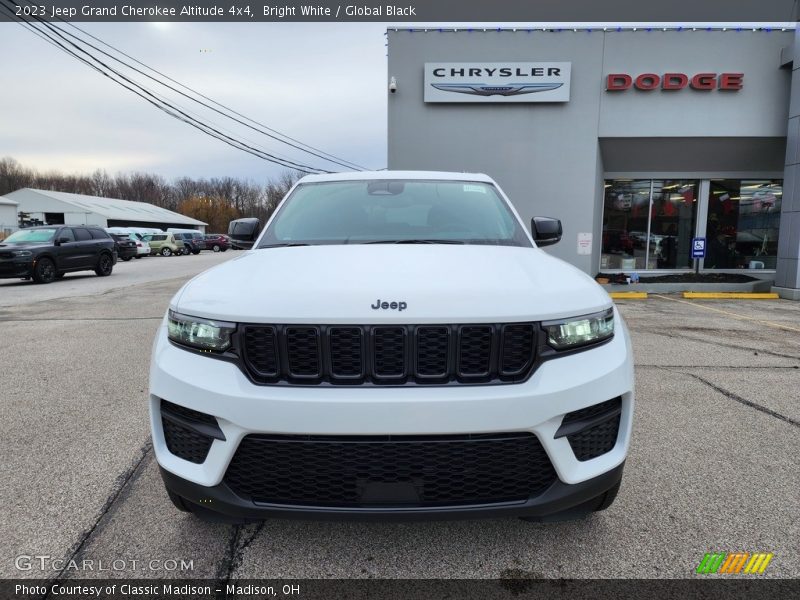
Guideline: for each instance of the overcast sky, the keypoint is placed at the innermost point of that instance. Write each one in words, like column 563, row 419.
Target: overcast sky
column 321, row 84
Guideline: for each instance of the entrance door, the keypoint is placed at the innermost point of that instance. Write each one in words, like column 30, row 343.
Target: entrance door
column 648, row 223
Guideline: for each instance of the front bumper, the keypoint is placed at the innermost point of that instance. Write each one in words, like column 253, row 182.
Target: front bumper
column 557, row 498
column 14, row 268
column 538, row 405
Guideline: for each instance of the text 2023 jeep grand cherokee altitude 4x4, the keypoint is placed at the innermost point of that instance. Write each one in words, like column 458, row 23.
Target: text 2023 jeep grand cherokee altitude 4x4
column 395, row 345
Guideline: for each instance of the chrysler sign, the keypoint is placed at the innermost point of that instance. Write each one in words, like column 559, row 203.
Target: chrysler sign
column 497, row 82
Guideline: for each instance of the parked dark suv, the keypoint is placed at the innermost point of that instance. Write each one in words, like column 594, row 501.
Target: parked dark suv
column 48, row 252
column 126, row 247
column 192, row 242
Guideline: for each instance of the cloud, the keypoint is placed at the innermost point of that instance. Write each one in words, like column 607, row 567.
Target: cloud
column 319, row 84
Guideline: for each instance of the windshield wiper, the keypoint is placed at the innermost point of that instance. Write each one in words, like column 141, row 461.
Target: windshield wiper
column 415, row 242
column 286, row 245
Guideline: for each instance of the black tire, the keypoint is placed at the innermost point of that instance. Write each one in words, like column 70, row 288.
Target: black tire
column 186, row 251
column 166, row 251
column 224, row 249
column 137, row 256
column 44, row 271
column 105, row 265
column 126, row 258
column 195, row 251
column 60, row 275
column 216, row 248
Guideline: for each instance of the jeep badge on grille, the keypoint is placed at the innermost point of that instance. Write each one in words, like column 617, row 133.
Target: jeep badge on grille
column 400, row 306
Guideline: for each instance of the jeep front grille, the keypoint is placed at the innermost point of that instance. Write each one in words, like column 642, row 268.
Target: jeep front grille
column 387, row 354
column 389, row 471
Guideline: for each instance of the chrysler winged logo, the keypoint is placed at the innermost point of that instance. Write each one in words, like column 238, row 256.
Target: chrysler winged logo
column 508, row 89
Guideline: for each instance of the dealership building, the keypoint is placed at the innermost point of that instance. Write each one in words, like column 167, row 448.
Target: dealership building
column 651, row 145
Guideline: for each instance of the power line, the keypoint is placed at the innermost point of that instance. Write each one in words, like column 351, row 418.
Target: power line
column 297, row 145
column 153, row 99
column 159, row 103
column 327, row 155
column 36, row 32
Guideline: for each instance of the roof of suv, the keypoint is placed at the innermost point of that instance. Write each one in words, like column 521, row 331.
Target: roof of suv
column 63, row 225
column 421, row 175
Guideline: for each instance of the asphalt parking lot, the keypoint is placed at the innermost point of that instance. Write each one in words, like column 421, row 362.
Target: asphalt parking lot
column 713, row 464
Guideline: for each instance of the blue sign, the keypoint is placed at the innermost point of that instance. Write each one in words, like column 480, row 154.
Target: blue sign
column 698, row 247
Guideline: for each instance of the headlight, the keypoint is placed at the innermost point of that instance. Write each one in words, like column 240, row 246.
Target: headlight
column 580, row 331
column 22, row 253
column 199, row 333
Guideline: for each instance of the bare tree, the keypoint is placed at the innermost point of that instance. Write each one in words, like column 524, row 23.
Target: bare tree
column 229, row 196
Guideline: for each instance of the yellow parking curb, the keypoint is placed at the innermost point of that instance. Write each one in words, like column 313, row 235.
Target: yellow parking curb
column 628, row 295
column 732, row 295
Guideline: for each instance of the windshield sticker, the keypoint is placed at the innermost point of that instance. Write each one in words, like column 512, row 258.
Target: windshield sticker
column 474, row 188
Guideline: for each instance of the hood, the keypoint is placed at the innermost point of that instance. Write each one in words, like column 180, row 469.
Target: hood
column 437, row 283
column 26, row 245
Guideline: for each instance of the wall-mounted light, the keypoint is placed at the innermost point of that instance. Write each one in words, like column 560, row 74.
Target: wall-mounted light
column 393, row 84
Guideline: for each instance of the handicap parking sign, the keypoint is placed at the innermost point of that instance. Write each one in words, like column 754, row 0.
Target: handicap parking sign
column 698, row 247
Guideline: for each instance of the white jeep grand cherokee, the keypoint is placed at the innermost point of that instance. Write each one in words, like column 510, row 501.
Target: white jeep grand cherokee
column 394, row 346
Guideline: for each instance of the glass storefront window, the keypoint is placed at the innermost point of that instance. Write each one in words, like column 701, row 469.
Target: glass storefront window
column 648, row 224
column 672, row 223
column 743, row 221
column 625, row 216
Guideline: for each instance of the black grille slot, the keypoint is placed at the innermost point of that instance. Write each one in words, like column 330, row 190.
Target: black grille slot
column 475, row 351
column 389, row 352
column 518, row 344
column 303, row 352
column 595, row 441
column 261, row 350
column 187, row 413
column 346, row 352
column 433, row 345
column 386, row 471
column 385, row 354
column 592, row 411
column 600, row 433
column 183, row 441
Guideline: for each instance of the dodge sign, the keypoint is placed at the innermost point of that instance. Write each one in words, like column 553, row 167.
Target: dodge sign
column 497, row 82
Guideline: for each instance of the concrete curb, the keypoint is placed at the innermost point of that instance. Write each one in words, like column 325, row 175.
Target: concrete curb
column 628, row 295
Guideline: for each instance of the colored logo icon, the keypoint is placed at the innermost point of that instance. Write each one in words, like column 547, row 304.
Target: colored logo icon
column 734, row 563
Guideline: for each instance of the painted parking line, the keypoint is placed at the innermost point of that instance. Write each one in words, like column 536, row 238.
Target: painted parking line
column 732, row 295
column 628, row 295
column 731, row 314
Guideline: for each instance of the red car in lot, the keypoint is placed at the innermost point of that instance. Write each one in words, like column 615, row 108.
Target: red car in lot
column 217, row 242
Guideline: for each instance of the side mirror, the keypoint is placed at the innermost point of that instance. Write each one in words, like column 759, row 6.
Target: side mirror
column 546, row 231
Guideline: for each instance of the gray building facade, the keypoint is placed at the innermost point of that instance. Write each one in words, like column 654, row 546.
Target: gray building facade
column 666, row 136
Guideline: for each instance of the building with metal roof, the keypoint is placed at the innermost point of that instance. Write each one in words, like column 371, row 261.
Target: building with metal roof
column 8, row 216
column 77, row 209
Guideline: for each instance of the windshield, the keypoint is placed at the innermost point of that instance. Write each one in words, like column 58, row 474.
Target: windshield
column 395, row 211
column 30, row 235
